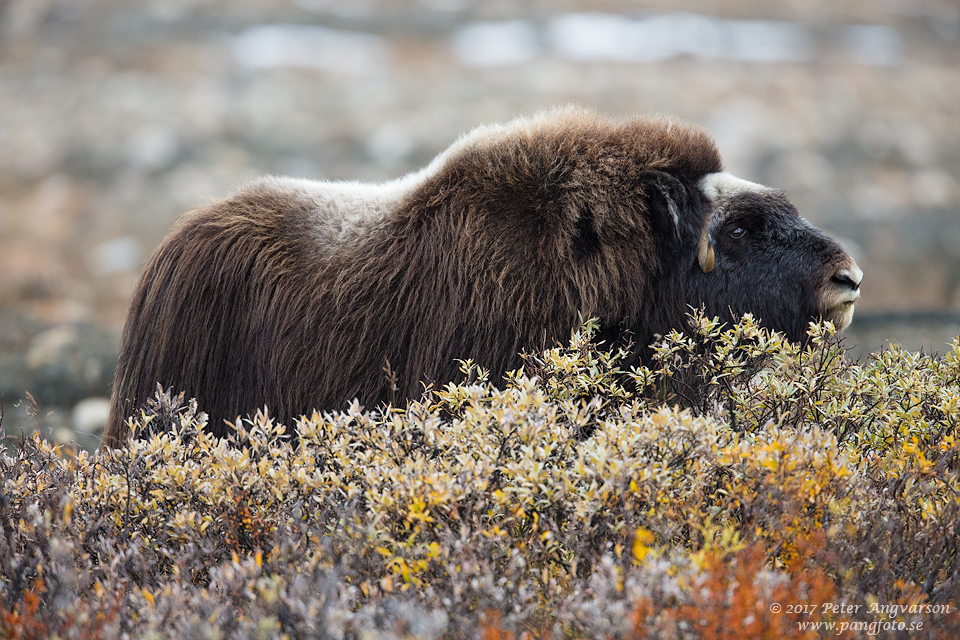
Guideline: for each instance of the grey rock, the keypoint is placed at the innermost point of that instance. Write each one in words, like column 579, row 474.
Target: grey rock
column 67, row 363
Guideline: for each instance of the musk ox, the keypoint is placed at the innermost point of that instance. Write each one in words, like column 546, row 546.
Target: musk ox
column 295, row 294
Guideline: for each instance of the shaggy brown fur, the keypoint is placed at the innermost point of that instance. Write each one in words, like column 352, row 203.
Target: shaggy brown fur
column 295, row 295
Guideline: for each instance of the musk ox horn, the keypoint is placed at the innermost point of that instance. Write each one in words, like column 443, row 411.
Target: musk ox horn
column 705, row 256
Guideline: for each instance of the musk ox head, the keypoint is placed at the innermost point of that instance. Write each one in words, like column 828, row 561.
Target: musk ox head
column 297, row 294
column 757, row 255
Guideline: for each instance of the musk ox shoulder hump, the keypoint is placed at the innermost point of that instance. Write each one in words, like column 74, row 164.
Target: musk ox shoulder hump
column 485, row 160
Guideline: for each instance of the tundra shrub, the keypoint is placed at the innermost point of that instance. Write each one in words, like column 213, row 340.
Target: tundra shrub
column 742, row 487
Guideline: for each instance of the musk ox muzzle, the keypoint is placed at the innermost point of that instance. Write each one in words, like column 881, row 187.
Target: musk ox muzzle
column 297, row 295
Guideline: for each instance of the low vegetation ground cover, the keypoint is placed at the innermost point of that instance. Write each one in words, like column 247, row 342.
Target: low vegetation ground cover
column 741, row 487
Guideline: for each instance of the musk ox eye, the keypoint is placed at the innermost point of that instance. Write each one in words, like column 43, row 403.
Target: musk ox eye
column 737, row 233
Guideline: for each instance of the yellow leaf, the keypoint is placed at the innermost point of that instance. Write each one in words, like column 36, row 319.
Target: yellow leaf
column 642, row 539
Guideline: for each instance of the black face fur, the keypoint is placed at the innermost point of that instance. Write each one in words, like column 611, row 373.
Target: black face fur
column 769, row 262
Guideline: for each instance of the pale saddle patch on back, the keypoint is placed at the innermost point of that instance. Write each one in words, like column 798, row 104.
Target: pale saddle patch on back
column 345, row 212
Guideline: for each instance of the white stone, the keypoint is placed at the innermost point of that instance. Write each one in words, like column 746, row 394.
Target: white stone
column 90, row 415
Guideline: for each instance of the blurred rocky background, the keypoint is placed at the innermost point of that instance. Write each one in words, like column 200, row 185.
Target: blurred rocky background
column 118, row 115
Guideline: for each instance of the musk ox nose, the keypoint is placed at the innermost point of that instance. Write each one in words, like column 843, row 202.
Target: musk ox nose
column 839, row 294
column 849, row 278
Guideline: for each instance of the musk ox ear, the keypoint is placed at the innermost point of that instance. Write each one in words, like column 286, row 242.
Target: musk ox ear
column 676, row 201
column 673, row 194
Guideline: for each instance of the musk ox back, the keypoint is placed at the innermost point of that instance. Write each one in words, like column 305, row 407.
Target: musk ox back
column 294, row 295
